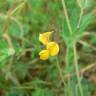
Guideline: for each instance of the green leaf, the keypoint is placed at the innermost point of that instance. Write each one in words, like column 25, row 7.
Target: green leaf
column 15, row 30
column 43, row 92
column 86, row 20
column 15, row 93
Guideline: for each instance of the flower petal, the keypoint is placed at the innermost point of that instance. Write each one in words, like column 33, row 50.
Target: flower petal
column 44, row 54
column 53, row 48
column 45, row 37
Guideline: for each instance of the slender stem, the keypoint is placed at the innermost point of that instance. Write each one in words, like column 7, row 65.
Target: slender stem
column 70, row 31
column 66, row 16
column 80, row 18
column 60, row 72
column 23, row 87
column 9, row 75
column 84, row 43
column 80, row 4
column 81, row 11
column 88, row 67
column 18, row 7
column 82, row 70
column 8, row 39
column 77, row 70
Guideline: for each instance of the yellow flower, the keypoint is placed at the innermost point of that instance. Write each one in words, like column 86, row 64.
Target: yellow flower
column 44, row 54
column 53, row 48
column 45, row 37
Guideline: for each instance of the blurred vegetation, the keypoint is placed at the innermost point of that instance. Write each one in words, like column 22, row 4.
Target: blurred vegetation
column 72, row 72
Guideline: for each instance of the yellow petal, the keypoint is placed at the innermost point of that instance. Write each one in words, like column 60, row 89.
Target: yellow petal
column 53, row 48
column 44, row 54
column 45, row 37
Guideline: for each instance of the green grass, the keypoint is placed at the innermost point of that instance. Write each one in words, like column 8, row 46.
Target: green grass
column 22, row 73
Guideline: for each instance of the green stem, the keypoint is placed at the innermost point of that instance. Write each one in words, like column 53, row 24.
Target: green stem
column 69, row 87
column 80, row 18
column 66, row 16
column 77, row 70
column 74, row 47
column 14, row 10
column 60, row 72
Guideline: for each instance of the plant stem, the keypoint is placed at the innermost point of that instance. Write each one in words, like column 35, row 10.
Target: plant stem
column 23, row 87
column 77, row 70
column 60, row 72
column 81, row 11
column 81, row 14
column 18, row 7
column 66, row 16
column 74, row 47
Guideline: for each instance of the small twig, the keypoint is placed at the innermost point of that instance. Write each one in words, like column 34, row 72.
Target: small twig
column 82, row 70
column 91, row 33
column 42, row 82
column 88, row 45
column 9, row 75
column 23, row 87
column 8, row 39
column 87, row 68
column 18, row 7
